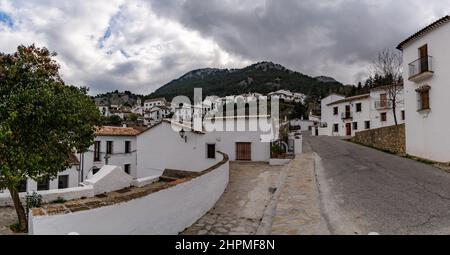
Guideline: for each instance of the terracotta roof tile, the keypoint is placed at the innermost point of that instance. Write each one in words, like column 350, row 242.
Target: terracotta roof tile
column 118, row 131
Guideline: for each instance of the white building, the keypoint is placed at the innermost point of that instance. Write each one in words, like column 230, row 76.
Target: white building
column 149, row 104
column 66, row 179
column 288, row 96
column 426, row 60
column 345, row 116
column 158, row 113
column 104, row 110
column 112, row 146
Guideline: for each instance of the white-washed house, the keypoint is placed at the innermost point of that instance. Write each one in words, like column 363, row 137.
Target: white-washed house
column 426, row 65
column 150, row 103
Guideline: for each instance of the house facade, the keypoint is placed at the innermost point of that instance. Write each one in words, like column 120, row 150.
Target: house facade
column 112, row 146
column 345, row 116
column 426, row 61
column 149, row 104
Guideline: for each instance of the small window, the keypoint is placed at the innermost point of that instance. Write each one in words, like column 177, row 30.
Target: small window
column 63, row 182
column 22, row 186
column 424, row 100
column 43, row 184
column 359, row 107
column 335, row 110
column 403, row 115
column 97, row 151
column 355, row 125
column 109, row 147
column 127, row 147
column 367, row 124
column 383, row 116
column 336, row 128
column 127, row 168
column 211, row 151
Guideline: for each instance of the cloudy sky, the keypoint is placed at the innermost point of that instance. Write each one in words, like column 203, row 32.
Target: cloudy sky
column 139, row 45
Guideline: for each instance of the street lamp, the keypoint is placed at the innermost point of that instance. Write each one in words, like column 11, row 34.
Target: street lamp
column 183, row 135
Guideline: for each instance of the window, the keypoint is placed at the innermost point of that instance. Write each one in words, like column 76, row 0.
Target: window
column 424, row 99
column 127, row 168
column 97, row 151
column 403, row 115
column 383, row 116
column 109, row 147
column 383, row 100
column 127, row 147
column 367, row 124
column 358, row 107
column 63, row 182
column 335, row 110
column 355, row 125
column 211, row 151
column 336, row 128
column 22, row 186
column 43, row 184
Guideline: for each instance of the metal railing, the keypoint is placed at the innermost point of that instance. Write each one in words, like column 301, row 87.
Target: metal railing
column 383, row 104
column 347, row 115
column 421, row 65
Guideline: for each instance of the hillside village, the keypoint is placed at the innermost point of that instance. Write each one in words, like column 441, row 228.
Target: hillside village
column 219, row 165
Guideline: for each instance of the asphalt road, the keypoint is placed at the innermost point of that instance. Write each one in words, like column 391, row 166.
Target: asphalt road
column 364, row 190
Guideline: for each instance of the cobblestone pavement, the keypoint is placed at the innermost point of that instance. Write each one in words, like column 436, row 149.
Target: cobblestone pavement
column 7, row 218
column 298, row 209
column 241, row 208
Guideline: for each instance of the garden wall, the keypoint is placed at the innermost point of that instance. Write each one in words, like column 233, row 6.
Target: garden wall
column 390, row 139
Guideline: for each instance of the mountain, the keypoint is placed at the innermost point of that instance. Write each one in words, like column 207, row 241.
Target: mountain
column 325, row 79
column 263, row 77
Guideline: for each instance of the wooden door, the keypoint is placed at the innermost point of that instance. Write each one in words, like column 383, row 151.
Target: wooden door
column 348, row 129
column 244, row 151
column 423, row 55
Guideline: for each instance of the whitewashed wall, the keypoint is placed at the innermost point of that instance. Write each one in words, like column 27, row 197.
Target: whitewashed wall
column 168, row 212
column 119, row 158
column 427, row 133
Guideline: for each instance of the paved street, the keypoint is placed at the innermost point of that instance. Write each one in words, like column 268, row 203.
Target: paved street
column 365, row 190
column 7, row 218
column 241, row 208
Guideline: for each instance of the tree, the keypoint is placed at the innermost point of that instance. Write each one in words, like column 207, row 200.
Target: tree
column 300, row 111
column 42, row 121
column 387, row 71
column 113, row 120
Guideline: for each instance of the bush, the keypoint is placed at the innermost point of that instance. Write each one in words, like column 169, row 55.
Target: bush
column 33, row 201
column 60, row 200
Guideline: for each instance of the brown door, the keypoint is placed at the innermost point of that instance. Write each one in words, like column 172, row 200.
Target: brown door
column 244, row 151
column 348, row 129
column 423, row 55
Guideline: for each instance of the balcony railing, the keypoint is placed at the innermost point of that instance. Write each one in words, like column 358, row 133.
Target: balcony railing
column 383, row 104
column 347, row 115
column 421, row 68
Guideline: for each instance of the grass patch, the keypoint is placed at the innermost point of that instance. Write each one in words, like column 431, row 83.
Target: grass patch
column 16, row 228
column 59, row 201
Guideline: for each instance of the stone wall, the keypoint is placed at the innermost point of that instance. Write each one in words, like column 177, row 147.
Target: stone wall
column 390, row 139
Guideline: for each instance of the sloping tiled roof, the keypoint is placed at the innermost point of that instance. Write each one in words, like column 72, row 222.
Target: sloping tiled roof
column 425, row 30
column 350, row 99
column 155, row 100
column 118, row 131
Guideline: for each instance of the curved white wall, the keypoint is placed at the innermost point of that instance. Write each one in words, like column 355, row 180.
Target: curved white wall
column 168, row 211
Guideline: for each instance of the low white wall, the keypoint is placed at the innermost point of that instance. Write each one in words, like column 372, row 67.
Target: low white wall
column 109, row 178
column 168, row 211
column 49, row 196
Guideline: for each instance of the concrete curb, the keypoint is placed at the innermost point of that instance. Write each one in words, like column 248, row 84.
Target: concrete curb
column 265, row 228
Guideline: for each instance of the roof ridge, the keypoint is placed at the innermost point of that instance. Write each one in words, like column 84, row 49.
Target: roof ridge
column 424, row 30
